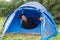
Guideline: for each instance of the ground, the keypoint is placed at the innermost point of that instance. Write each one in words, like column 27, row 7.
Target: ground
column 22, row 36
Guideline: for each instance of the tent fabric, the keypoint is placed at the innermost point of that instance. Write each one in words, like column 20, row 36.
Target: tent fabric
column 47, row 27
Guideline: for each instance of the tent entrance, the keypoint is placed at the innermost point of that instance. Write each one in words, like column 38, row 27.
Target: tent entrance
column 32, row 19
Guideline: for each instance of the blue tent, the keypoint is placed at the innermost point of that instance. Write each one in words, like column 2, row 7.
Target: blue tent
column 47, row 27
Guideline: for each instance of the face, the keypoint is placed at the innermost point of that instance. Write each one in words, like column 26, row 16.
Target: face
column 24, row 18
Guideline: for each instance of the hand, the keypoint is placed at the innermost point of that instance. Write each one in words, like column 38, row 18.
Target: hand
column 40, row 18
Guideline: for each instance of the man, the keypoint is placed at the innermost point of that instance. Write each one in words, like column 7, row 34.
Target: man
column 28, row 23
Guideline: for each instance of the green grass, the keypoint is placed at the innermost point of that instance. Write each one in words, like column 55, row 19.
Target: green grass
column 21, row 36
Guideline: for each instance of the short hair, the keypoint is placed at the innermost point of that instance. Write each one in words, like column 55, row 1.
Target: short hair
column 21, row 16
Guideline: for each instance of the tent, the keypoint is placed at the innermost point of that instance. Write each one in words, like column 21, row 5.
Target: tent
column 47, row 27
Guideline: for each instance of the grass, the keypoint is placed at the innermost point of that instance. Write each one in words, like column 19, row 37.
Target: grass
column 21, row 36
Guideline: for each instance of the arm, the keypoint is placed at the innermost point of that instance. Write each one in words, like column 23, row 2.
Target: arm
column 40, row 19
